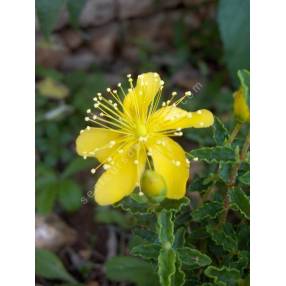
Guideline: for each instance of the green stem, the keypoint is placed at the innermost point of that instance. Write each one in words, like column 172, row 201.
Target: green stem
column 234, row 133
column 232, row 178
column 230, row 139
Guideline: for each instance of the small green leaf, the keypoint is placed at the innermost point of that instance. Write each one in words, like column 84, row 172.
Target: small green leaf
column 44, row 176
column 132, row 206
column 48, row 13
column 174, row 205
column 44, row 72
column 227, row 276
column 224, row 171
column 179, row 238
column 239, row 201
column 199, row 185
column 75, row 7
column 193, row 258
column 165, row 228
column 245, row 178
column 45, row 198
column 49, row 266
column 131, row 269
column 220, row 133
column 146, row 234
column 146, row 251
column 166, row 266
column 213, row 154
column 69, row 195
column 213, row 284
column 242, row 261
column 208, row 210
column 178, row 279
column 222, row 238
column 77, row 165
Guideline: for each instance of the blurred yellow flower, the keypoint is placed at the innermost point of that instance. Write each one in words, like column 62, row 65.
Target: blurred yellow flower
column 133, row 135
column 240, row 106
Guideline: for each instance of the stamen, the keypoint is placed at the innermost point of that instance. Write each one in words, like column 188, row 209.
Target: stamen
column 106, row 166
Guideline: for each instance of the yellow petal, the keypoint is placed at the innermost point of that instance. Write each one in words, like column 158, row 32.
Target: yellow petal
column 138, row 100
column 172, row 117
column 170, row 162
column 97, row 142
column 121, row 178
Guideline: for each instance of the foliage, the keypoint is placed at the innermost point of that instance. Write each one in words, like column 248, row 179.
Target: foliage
column 233, row 20
column 207, row 247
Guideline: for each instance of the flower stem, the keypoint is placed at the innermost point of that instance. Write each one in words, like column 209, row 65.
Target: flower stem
column 234, row 133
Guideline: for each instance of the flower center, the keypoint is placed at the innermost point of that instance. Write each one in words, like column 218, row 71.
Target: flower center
column 141, row 130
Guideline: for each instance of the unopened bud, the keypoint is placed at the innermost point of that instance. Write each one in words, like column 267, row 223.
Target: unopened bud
column 240, row 106
column 153, row 186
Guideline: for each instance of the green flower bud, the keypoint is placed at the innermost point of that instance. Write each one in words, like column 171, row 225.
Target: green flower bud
column 153, row 186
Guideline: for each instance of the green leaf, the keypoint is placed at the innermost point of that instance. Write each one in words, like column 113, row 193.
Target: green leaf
column 49, row 266
column 224, row 171
column 75, row 7
column 244, row 78
column 193, row 258
column 130, row 205
column 77, row 165
column 174, row 205
column 146, row 251
column 234, row 26
column 242, row 262
column 221, row 237
column 199, row 185
column 44, row 72
column 45, row 198
column 165, row 228
column 146, row 234
column 178, row 279
column 179, row 237
column 208, row 210
column 48, row 13
column 245, row 178
column 239, row 201
column 69, row 195
column 227, row 276
column 213, row 154
column 220, row 133
column 131, row 269
column 44, row 176
column 213, row 284
column 112, row 216
column 166, row 266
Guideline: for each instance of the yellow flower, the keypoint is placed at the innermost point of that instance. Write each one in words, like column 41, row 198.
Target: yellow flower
column 133, row 135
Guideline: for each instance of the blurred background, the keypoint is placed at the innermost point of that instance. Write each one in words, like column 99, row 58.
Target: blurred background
column 83, row 47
